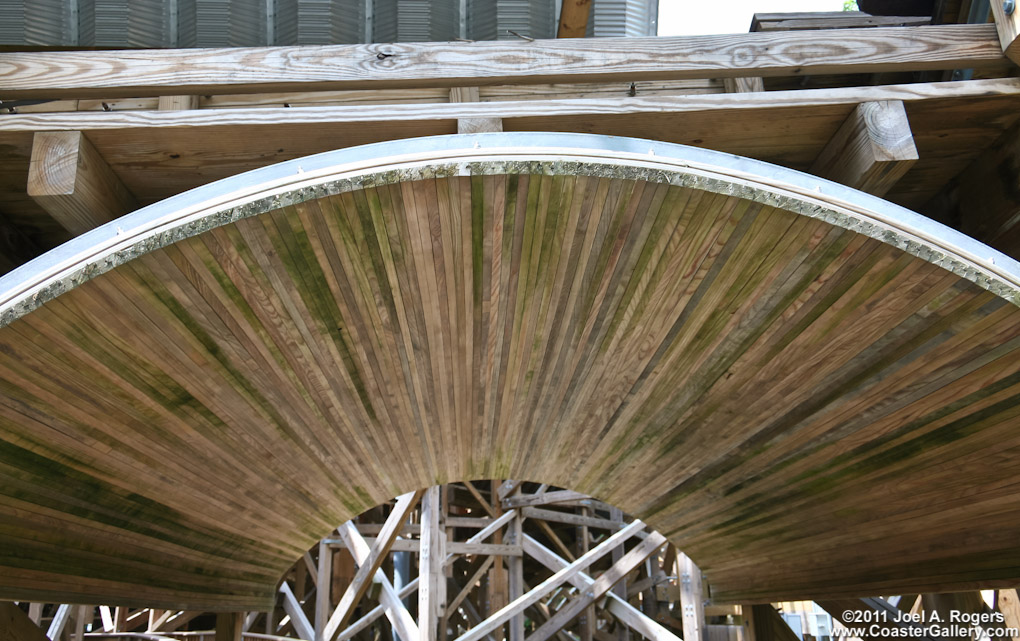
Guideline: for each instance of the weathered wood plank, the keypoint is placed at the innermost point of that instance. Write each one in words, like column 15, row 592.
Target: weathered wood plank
column 574, row 15
column 388, row 65
column 1008, row 27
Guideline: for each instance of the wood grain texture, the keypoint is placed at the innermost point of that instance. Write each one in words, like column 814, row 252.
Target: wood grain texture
column 73, row 183
column 82, row 74
column 1008, row 28
column 16, row 626
column 871, row 150
column 753, row 381
column 574, row 15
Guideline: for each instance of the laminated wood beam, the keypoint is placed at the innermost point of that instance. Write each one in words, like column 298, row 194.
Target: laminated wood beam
column 16, row 626
column 110, row 74
column 1008, row 27
column 872, row 150
column 70, row 179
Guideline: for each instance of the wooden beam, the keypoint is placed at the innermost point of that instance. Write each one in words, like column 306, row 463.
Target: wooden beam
column 110, row 74
column 515, row 577
column 1008, row 27
column 58, row 622
column 366, row 571
column 302, row 626
column 473, row 125
column 545, row 498
column 365, row 621
column 691, row 599
column 518, row 605
column 744, row 85
column 617, row 606
column 872, row 150
column 177, row 103
column 229, row 626
column 399, row 617
column 431, row 579
column 323, row 604
column 571, row 519
column 70, row 180
column 16, row 626
column 574, row 18
column 600, row 587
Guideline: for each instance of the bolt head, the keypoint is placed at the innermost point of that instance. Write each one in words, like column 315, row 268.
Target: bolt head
column 1008, row 6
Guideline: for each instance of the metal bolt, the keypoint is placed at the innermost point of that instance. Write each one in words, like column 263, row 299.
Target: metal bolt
column 1008, row 6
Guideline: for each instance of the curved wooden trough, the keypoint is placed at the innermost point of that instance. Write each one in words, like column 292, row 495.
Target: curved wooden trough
column 810, row 390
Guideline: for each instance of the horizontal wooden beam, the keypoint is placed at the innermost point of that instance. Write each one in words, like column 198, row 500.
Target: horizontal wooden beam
column 546, row 498
column 110, row 74
column 509, row 110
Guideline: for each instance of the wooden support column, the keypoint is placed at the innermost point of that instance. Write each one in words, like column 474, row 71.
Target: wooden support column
column 58, row 622
column 302, row 626
column 322, row 596
column 515, row 568
column 769, row 626
column 1008, row 26
column 473, row 125
column 586, row 615
column 15, row 625
column 872, row 149
column 35, row 612
column 574, row 18
column 747, row 623
column 1008, row 604
column 620, row 589
column 229, row 626
column 70, row 180
column 431, row 579
column 82, row 615
column 691, row 598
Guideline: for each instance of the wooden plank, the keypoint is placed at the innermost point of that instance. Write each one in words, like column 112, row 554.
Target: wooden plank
column 1008, row 604
column 515, row 577
column 366, row 571
column 323, row 602
column 229, row 626
column 16, row 626
column 497, row 619
column 744, row 85
column 59, row 621
column 600, row 587
column 574, row 15
column 872, row 150
column 73, row 183
column 431, row 579
column 390, row 65
column 1008, row 27
column 365, row 621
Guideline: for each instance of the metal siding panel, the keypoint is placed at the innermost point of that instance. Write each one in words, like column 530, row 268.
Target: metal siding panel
column 385, row 24
column 285, row 19
column 47, row 22
column 482, row 19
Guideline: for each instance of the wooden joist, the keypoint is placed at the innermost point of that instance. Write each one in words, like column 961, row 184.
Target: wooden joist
column 72, row 181
column 109, row 74
column 872, row 150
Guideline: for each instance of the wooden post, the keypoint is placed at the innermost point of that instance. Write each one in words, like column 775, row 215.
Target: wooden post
column 515, row 567
column 574, row 18
column 177, row 103
column 432, row 580
column 82, row 615
column 691, row 598
column 15, row 625
column 473, row 125
column 872, row 149
column 322, row 597
column 586, row 619
column 70, row 180
column 744, row 85
column 229, row 626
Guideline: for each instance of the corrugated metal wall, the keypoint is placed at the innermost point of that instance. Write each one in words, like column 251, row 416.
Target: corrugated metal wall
column 233, row 23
